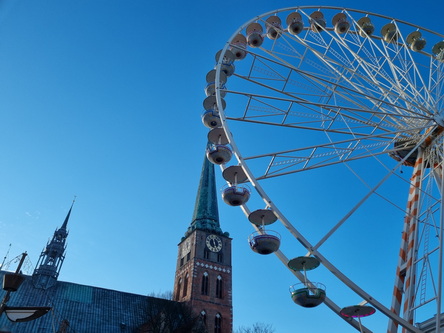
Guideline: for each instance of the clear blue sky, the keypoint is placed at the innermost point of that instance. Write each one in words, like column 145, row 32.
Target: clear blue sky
column 102, row 100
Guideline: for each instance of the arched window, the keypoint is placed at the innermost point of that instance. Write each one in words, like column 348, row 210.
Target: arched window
column 179, row 284
column 205, row 284
column 185, row 286
column 219, row 289
column 218, row 323
column 203, row 317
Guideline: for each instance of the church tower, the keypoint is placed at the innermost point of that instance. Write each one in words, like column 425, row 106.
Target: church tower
column 203, row 272
column 51, row 259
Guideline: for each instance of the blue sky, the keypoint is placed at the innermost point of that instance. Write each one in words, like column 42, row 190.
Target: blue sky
column 102, row 100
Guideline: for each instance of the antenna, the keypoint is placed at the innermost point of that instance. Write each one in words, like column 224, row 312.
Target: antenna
column 6, row 256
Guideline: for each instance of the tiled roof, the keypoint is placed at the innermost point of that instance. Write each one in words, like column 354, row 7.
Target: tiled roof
column 88, row 309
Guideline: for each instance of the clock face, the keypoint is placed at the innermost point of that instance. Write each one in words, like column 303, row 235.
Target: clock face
column 186, row 247
column 214, row 243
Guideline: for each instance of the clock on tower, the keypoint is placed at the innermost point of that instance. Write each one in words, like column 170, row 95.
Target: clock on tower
column 214, row 243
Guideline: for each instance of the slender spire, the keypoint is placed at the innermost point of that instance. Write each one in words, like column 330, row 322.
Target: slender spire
column 206, row 212
column 51, row 259
column 65, row 223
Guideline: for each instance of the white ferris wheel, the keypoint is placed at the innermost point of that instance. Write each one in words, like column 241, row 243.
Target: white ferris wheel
column 328, row 127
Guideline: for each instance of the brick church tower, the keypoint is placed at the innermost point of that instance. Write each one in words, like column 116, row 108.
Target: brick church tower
column 203, row 272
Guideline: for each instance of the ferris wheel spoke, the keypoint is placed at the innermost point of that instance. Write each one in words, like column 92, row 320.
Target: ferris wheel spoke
column 322, row 155
column 284, row 111
column 350, row 96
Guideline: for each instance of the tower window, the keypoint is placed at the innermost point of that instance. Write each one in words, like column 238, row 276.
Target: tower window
column 185, row 286
column 218, row 323
column 206, row 254
column 181, row 261
column 219, row 284
column 188, row 256
column 220, row 257
column 205, row 284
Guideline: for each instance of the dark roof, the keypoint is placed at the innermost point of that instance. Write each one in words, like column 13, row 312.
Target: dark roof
column 88, row 309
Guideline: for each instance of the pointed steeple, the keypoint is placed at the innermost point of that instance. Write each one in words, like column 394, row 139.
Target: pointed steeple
column 206, row 212
column 63, row 232
column 51, row 259
column 65, row 223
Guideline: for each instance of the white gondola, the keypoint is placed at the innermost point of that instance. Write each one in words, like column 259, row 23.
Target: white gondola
column 307, row 294
column 227, row 65
column 340, row 23
column 389, row 33
column 235, row 195
column 211, row 119
column 357, row 311
column 217, row 136
column 239, row 47
column 438, row 50
column 234, row 174
column 264, row 242
column 365, row 27
column 210, row 88
column 274, row 27
column 404, row 149
column 262, row 217
column 219, row 154
column 254, row 35
column 317, row 21
column 415, row 41
column 294, row 23
column 210, row 103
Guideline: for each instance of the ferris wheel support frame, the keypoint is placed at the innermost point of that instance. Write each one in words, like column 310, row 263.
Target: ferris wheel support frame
column 406, row 269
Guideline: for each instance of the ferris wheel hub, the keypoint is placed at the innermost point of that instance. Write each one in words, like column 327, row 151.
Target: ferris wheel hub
column 439, row 120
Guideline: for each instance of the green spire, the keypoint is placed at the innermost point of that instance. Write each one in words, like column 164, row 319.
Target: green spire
column 206, row 213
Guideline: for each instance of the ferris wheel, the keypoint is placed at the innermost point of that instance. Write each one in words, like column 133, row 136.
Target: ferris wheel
column 328, row 127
